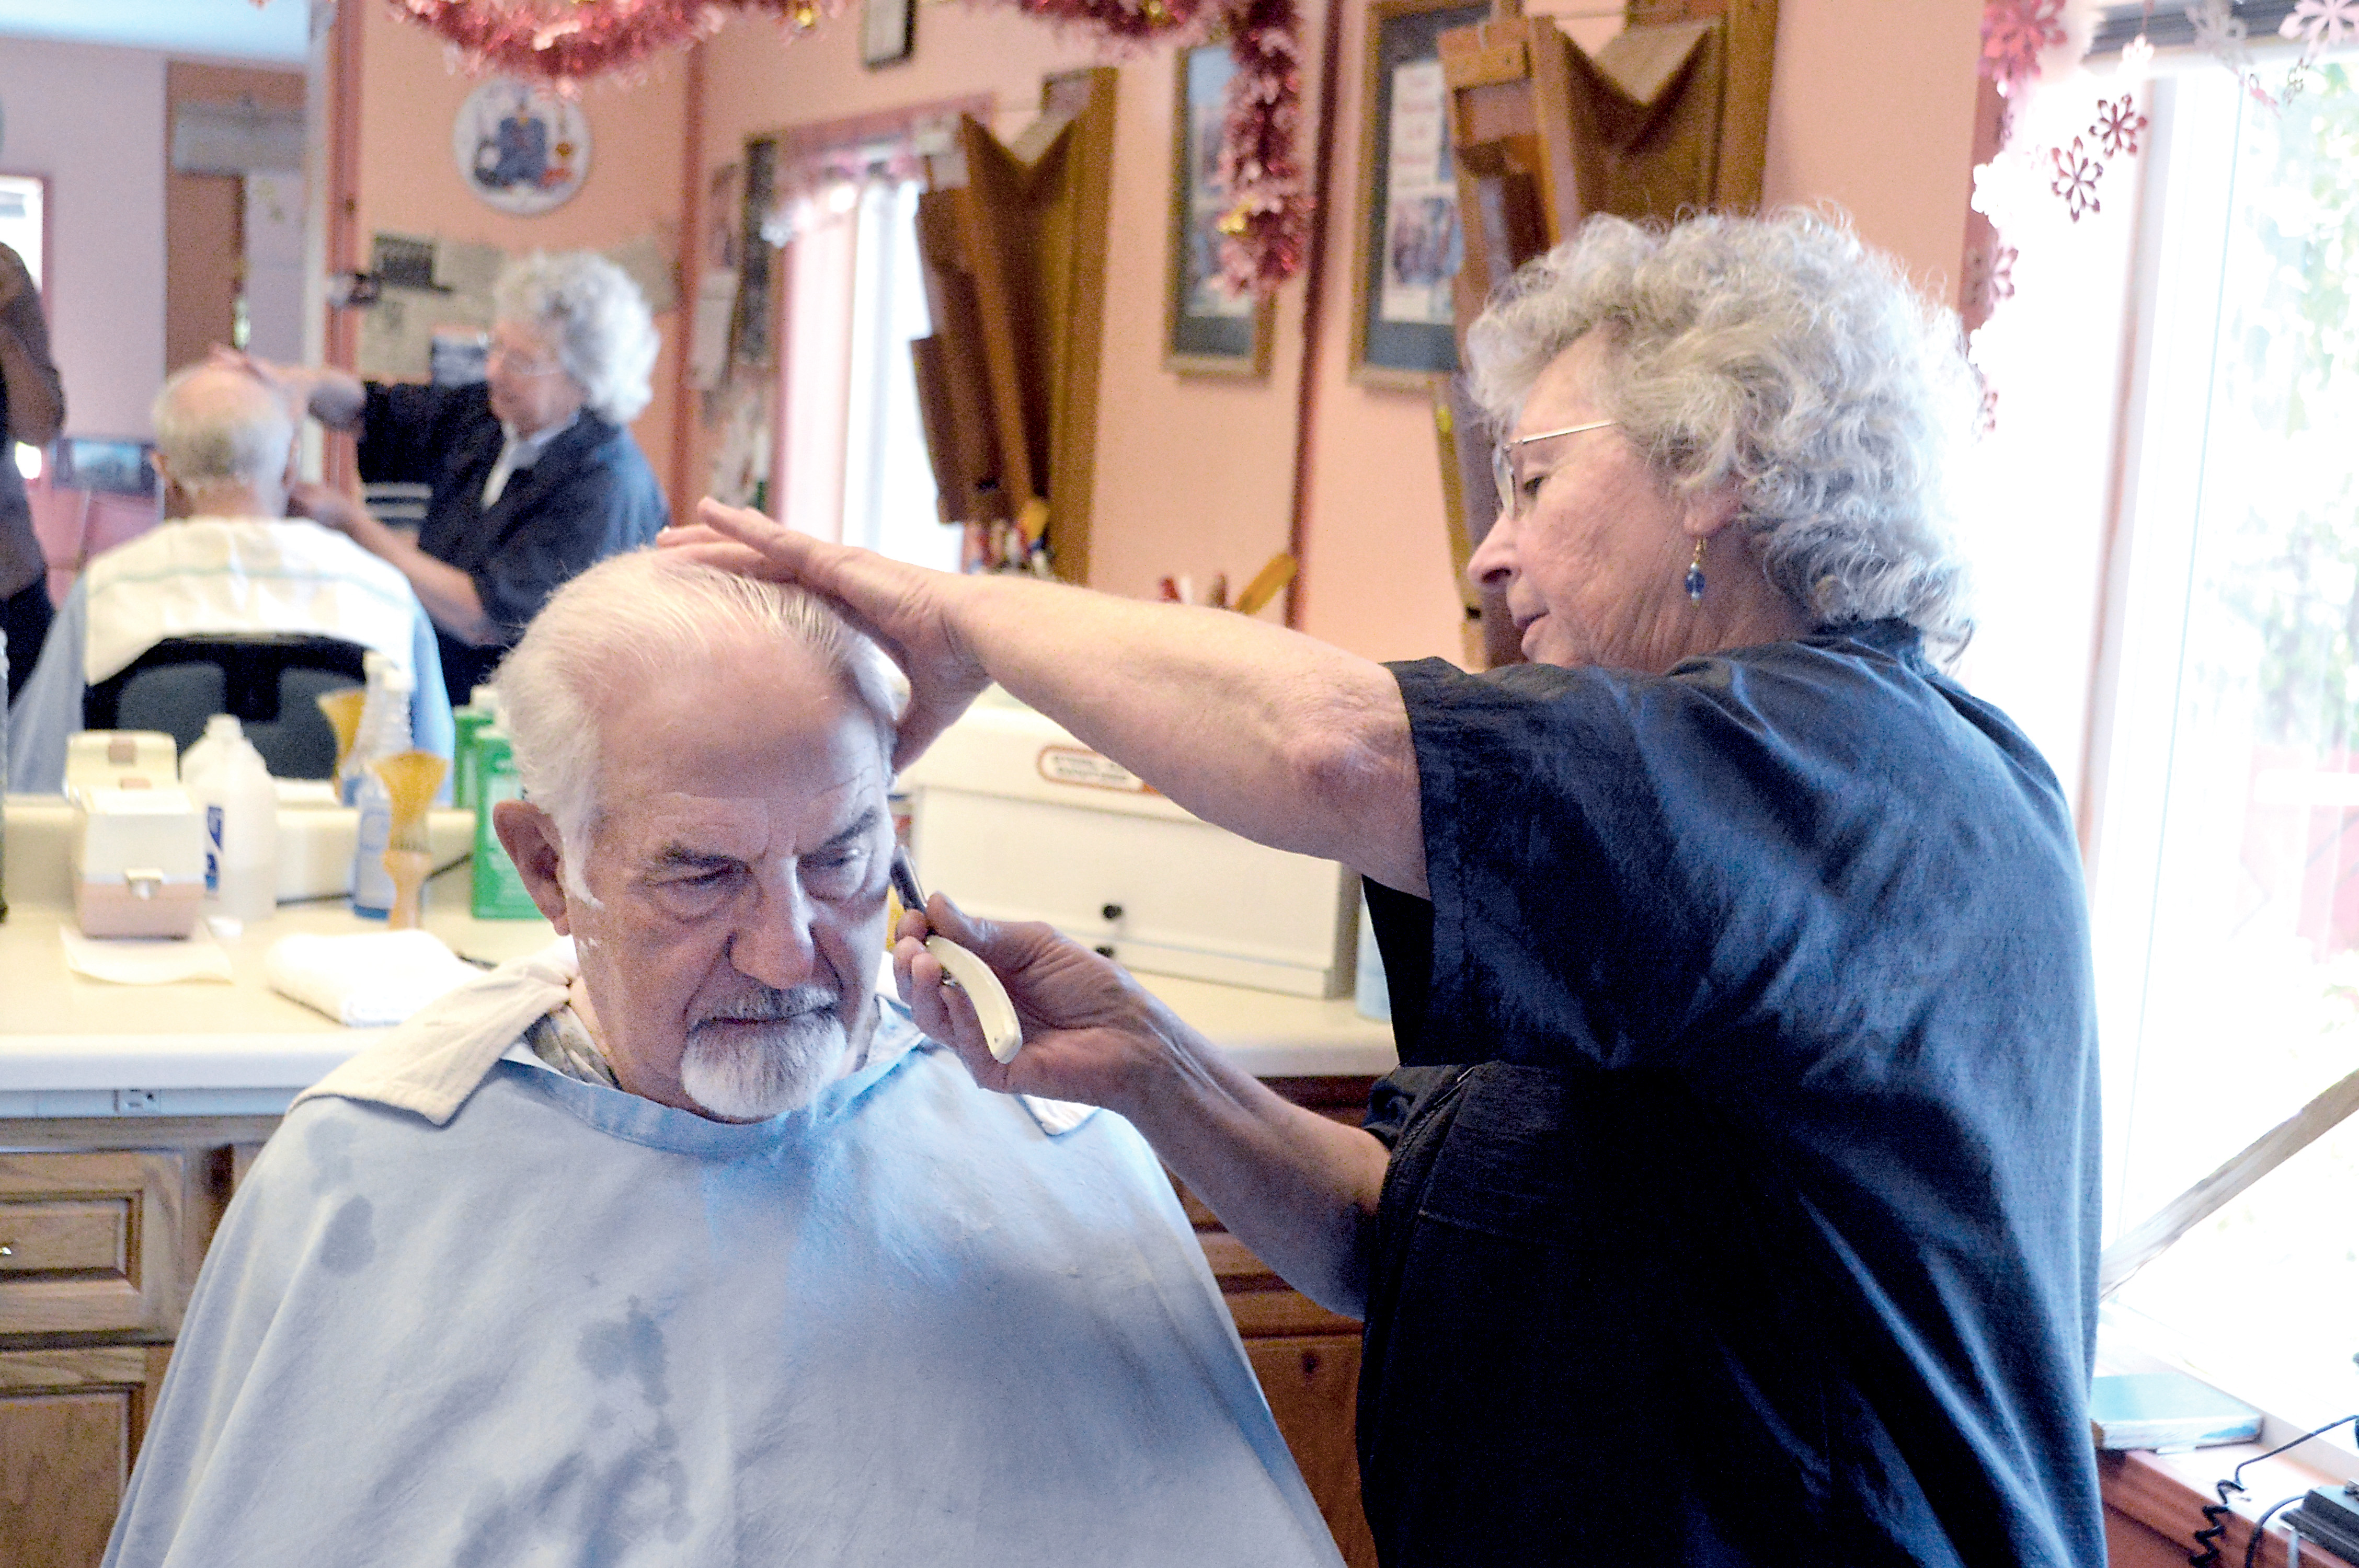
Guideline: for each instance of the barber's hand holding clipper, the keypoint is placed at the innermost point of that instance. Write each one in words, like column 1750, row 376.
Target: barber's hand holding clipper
column 1090, row 1032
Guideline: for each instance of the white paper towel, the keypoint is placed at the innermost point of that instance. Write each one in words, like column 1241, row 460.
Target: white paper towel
column 145, row 961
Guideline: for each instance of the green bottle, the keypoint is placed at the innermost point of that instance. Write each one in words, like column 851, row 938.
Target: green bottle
column 468, row 723
column 499, row 888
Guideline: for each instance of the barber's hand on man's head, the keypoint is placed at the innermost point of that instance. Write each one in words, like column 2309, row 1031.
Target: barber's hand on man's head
column 324, row 504
column 909, row 610
column 1091, row 1032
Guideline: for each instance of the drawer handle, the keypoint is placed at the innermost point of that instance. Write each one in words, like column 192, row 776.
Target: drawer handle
column 6, row 1251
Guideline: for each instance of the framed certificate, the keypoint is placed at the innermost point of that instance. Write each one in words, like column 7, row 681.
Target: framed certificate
column 1208, row 330
column 1404, row 309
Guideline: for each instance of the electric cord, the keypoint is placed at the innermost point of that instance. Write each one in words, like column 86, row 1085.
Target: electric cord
column 2252, row 1546
column 2217, row 1515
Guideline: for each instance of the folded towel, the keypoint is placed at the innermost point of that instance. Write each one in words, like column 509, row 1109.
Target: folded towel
column 373, row 978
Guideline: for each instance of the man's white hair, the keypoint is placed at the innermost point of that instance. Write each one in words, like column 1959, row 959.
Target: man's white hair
column 598, row 320
column 217, row 426
column 647, row 616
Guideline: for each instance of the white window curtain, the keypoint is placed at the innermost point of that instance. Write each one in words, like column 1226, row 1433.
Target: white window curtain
column 888, row 481
column 820, row 268
column 855, row 466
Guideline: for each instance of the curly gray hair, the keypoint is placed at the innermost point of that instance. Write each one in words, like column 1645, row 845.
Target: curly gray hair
column 596, row 316
column 1779, row 353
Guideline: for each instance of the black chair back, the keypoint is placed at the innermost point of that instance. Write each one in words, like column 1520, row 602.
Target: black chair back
column 268, row 679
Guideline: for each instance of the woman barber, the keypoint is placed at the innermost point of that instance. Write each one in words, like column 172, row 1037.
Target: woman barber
column 533, row 473
column 1735, row 1202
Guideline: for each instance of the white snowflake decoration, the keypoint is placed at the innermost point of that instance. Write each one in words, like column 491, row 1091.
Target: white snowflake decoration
column 2137, row 58
column 2219, row 33
column 2321, row 24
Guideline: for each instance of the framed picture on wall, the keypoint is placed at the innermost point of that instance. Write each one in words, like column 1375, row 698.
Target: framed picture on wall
column 1404, row 315
column 888, row 31
column 1208, row 330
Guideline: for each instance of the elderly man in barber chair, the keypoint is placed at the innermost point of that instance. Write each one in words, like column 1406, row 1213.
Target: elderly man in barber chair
column 229, row 561
column 677, row 1244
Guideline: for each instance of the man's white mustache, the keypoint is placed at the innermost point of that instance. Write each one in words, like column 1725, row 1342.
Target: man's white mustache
column 770, row 1005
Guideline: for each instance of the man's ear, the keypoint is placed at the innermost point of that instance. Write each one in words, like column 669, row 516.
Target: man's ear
column 529, row 835
column 171, row 500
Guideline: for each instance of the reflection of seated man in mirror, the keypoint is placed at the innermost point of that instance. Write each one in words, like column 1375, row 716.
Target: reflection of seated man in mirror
column 230, row 561
column 676, row 1244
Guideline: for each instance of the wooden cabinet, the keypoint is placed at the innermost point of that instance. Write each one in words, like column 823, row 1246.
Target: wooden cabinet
column 70, row 1421
column 102, row 1224
column 1307, row 1358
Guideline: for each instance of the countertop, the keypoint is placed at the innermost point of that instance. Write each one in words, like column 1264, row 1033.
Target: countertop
column 74, row 1046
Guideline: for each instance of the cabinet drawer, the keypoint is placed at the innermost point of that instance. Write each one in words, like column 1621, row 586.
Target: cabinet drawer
column 91, row 1243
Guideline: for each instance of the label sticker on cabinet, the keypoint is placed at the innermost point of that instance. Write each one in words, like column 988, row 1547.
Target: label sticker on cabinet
column 1073, row 766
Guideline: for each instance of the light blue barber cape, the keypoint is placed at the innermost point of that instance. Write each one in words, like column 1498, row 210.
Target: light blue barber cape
column 570, row 1325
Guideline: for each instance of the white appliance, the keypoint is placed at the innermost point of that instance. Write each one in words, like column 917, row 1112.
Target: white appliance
column 1015, row 819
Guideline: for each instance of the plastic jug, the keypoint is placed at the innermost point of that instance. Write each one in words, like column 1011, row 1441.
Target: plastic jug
column 238, row 804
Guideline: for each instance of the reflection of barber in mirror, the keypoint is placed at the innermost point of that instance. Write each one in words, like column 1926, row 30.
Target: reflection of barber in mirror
column 32, row 410
column 533, row 472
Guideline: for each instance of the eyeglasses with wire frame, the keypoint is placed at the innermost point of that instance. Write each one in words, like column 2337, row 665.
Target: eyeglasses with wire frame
column 1503, row 461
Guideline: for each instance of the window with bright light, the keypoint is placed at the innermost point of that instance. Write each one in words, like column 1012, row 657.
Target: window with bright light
column 2227, row 871
column 23, row 212
column 855, row 462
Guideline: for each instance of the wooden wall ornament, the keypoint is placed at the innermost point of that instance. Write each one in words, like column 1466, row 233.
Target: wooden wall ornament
column 1013, row 241
column 1670, row 116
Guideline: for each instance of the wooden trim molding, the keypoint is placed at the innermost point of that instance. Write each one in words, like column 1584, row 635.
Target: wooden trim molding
column 2154, row 1506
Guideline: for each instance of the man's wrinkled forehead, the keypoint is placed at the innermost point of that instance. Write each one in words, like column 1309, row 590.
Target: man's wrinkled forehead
column 672, row 824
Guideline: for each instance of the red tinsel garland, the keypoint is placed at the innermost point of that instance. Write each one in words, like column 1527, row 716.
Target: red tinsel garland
column 569, row 41
column 1267, row 232
column 1268, row 229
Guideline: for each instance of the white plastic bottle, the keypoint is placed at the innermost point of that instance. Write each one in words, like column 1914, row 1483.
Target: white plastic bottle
column 373, row 891
column 231, row 786
column 379, row 671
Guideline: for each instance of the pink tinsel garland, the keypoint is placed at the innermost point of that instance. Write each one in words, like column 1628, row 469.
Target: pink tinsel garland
column 568, row 41
column 1267, row 229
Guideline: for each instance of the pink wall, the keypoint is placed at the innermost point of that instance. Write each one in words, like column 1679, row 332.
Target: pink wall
column 1873, row 108
column 409, row 184
column 1194, row 475
column 91, row 118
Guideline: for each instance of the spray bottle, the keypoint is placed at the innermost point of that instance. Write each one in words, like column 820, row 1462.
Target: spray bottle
column 386, row 733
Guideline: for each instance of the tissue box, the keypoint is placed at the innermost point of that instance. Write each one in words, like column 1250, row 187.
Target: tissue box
column 121, row 758
column 138, row 863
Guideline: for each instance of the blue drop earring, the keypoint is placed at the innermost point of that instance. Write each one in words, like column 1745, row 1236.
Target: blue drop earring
column 1695, row 575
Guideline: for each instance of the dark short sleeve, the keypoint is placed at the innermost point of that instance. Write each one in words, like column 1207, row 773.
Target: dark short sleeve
column 608, row 502
column 1721, row 869
column 409, row 429
column 1550, row 806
